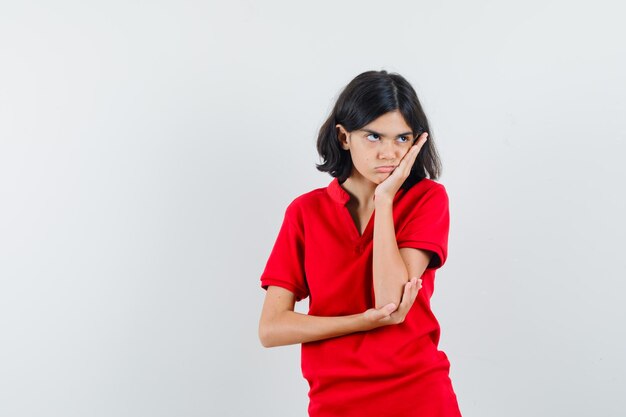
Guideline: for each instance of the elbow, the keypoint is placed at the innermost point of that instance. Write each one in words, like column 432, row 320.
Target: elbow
column 266, row 342
column 265, row 335
column 390, row 295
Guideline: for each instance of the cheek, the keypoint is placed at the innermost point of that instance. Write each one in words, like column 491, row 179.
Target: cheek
column 361, row 157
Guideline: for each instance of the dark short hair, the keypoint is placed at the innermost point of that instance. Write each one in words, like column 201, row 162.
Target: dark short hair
column 368, row 96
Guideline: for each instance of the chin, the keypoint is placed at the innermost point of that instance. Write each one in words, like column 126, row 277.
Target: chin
column 382, row 176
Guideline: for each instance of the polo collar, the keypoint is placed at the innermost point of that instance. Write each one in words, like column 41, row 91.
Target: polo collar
column 337, row 193
column 341, row 196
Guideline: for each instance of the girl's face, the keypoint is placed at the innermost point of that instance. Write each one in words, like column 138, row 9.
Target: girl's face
column 377, row 146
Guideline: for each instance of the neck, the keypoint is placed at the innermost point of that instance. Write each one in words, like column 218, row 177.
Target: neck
column 360, row 189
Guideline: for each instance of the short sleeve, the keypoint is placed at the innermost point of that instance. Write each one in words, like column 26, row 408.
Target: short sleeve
column 428, row 226
column 285, row 265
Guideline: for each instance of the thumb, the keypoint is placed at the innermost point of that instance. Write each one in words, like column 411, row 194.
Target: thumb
column 389, row 308
column 383, row 312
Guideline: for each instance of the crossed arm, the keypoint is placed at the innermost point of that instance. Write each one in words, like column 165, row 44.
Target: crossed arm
column 394, row 293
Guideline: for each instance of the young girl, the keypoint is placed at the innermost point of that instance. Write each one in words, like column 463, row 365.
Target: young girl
column 365, row 250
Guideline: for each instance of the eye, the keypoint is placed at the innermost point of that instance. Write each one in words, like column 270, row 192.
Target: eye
column 406, row 139
column 372, row 134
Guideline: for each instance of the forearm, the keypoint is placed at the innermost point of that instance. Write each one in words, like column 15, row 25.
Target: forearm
column 389, row 270
column 290, row 327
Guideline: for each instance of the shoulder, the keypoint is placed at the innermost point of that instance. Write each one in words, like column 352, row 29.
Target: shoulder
column 426, row 201
column 426, row 189
column 310, row 200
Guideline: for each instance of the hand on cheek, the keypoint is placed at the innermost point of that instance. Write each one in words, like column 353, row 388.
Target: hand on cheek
column 390, row 186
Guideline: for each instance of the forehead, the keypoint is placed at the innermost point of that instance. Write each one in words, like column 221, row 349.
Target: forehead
column 389, row 124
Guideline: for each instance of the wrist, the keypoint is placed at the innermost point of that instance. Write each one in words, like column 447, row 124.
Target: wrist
column 365, row 323
column 361, row 322
column 383, row 201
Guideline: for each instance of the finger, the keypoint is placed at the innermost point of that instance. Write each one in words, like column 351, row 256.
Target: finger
column 409, row 158
column 406, row 295
column 404, row 167
column 419, row 144
column 417, row 281
column 414, row 290
column 418, row 287
column 415, row 287
column 417, row 147
column 422, row 138
column 380, row 314
column 385, row 311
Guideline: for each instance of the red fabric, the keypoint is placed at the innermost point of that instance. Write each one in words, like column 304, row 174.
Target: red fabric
column 394, row 370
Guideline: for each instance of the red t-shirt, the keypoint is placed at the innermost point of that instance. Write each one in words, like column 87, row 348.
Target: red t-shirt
column 394, row 370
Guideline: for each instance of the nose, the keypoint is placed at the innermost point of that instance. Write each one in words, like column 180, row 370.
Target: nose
column 387, row 150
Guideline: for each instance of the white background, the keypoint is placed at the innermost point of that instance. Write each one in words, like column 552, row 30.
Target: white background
column 148, row 151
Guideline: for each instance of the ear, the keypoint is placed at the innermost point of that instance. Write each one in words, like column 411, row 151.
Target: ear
column 342, row 135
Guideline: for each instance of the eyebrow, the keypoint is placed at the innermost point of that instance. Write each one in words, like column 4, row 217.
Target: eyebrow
column 380, row 134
